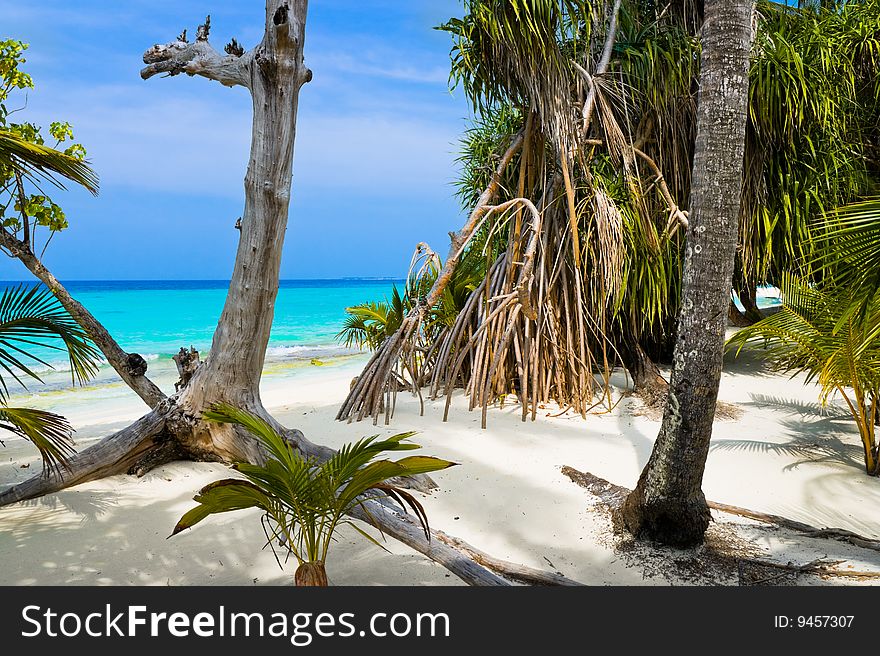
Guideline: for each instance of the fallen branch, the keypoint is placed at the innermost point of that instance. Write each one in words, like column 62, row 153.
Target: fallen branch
column 513, row 571
column 839, row 534
column 818, row 567
column 613, row 495
column 116, row 454
column 471, row 565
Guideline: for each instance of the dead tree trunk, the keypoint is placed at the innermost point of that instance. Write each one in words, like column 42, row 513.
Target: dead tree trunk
column 273, row 72
column 668, row 504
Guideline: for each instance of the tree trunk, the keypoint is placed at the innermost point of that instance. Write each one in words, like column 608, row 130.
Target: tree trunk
column 311, row 575
column 748, row 296
column 737, row 318
column 274, row 72
column 648, row 381
column 668, row 504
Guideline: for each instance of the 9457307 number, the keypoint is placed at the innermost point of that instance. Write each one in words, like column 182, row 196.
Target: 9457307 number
column 813, row 621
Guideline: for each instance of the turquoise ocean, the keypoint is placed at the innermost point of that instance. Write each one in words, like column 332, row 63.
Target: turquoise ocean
column 157, row 318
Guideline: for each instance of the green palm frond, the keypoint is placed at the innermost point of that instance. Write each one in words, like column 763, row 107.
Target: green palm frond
column 27, row 156
column 50, row 433
column 370, row 323
column 848, row 253
column 31, row 316
column 817, row 333
column 305, row 501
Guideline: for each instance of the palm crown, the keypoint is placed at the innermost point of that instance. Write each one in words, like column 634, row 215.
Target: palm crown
column 304, row 501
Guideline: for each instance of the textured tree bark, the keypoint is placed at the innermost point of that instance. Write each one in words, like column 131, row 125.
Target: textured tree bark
column 737, row 318
column 749, row 298
column 311, row 575
column 648, row 381
column 274, row 72
column 116, row 454
column 668, row 504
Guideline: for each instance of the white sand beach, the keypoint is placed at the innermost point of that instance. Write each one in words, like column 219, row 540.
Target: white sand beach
column 784, row 455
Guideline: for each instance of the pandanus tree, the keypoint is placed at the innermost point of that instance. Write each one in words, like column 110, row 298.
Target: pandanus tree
column 604, row 279
column 811, row 135
column 548, row 173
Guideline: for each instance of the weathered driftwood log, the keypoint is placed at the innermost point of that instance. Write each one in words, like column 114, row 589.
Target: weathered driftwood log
column 613, row 495
column 819, row 567
column 471, row 565
column 187, row 363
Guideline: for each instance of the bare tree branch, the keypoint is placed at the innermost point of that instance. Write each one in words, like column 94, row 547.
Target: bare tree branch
column 199, row 58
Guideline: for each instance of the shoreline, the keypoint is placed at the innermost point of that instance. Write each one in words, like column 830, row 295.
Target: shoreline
column 507, row 497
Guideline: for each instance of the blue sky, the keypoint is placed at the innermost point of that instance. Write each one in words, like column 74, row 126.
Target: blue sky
column 376, row 143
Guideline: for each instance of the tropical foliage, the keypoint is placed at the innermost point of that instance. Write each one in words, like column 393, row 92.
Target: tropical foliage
column 830, row 330
column 369, row 324
column 304, row 501
column 27, row 162
column 30, row 317
column 603, row 103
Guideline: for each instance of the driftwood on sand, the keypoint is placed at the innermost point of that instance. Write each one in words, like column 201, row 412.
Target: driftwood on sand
column 612, row 496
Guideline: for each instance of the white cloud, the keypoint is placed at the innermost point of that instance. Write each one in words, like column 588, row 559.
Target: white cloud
column 379, row 66
column 164, row 139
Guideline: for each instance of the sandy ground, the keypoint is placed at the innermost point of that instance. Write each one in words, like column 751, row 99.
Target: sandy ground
column 785, row 455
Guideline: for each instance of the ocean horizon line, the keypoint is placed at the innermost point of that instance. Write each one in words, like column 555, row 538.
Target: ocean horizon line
column 212, row 280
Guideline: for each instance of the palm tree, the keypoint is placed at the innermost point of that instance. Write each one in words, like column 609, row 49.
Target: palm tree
column 30, row 316
column 369, row 324
column 304, row 501
column 668, row 504
column 830, row 330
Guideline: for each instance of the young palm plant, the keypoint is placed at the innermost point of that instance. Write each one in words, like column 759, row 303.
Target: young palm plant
column 31, row 316
column 305, row 501
column 831, row 329
column 369, row 324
